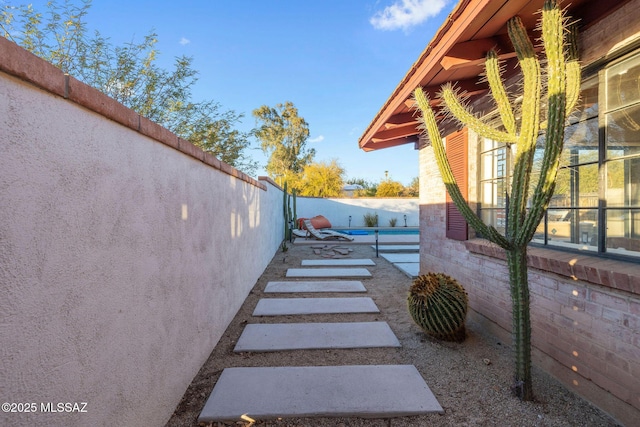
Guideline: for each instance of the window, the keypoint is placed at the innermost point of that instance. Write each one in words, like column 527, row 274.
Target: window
column 621, row 160
column 495, row 162
column 596, row 205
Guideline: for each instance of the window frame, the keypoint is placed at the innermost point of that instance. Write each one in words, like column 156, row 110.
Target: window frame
column 602, row 163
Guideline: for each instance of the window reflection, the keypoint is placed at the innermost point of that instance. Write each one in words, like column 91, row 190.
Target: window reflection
column 596, row 202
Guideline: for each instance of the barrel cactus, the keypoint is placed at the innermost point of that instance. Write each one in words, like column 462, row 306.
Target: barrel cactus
column 438, row 304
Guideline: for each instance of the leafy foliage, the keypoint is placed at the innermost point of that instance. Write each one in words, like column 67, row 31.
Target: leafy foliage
column 130, row 75
column 389, row 188
column 413, row 189
column 370, row 219
column 323, row 179
column 369, row 189
column 283, row 136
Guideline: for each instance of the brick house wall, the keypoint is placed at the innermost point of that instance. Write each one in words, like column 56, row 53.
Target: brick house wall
column 585, row 310
column 584, row 333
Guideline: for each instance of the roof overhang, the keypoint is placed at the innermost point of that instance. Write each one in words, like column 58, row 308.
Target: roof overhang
column 456, row 54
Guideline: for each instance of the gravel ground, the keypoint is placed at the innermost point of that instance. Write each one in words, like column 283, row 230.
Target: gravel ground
column 471, row 380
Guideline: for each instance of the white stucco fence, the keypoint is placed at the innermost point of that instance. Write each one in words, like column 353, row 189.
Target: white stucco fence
column 122, row 262
column 337, row 211
column 125, row 251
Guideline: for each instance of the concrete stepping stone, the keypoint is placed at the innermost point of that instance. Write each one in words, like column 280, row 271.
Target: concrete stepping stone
column 397, row 248
column 342, row 251
column 328, row 272
column 293, row 306
column 411, row 269
column 367, row 391
column 307, row 336
column 315, row 286
column 336, row 262
column 401, row 257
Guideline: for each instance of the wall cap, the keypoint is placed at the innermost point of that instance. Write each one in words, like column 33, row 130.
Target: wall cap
column 615, row 274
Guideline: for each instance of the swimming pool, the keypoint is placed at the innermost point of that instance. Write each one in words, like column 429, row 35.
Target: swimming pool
column 371, row 231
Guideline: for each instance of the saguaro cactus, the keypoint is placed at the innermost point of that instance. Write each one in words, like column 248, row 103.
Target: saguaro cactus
column 562, row 78
column 288, row 214
column 285, row 212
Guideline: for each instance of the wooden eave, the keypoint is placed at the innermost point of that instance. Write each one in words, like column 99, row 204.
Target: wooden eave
column 456, row 54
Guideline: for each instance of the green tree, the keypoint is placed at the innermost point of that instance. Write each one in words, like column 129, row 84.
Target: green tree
column 129, row 74
column 283, row 136
column 322, row 179
column 413, row 189
column 369, row 189
column 525, row 206
column 206, row 126
column 389, row 188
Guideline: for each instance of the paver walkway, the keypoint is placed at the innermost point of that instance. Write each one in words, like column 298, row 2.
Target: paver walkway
column 293, row 391
column 293, row 306
column 315, row 286
column 411, row 269
column 328, row 272
column 308, row 336
column 363, row 391
column 397, row 248
column 401, row 257
column 335, row 262
column 407, row 261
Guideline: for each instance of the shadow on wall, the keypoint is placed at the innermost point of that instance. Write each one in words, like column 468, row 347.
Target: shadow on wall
column 347, row 212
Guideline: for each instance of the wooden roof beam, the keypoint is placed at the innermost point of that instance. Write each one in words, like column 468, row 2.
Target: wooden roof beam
column 402, row 118
column 473, row 53
column 468, row 53
column 402, row 131
column 413, row 139
column 471, row 87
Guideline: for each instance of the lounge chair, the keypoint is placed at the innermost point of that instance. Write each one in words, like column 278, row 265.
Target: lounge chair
column 324, row 234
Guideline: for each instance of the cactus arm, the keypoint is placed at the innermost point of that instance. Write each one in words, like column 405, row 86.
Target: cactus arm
column 499, row 93
column 284, row 210
column 468, row 119
column 433, row 132
column 529, row 127
column 563, row 92
column 573, row 69
column 295, row 213
column 289, row 214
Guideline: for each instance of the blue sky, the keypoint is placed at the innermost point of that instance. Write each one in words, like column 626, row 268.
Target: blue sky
column 337, row 60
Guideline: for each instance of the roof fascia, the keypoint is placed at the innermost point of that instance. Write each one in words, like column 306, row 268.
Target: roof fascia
column 446, row 37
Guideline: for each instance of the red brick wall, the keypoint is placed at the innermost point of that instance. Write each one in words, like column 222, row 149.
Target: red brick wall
column 585, row 310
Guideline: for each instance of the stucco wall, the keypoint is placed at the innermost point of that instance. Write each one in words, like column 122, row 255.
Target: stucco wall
column 337, row 211
column 122, row 259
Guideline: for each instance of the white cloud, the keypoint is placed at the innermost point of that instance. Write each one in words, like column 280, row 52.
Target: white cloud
column 184, row 41
column 319, row 138
column 404, row 14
